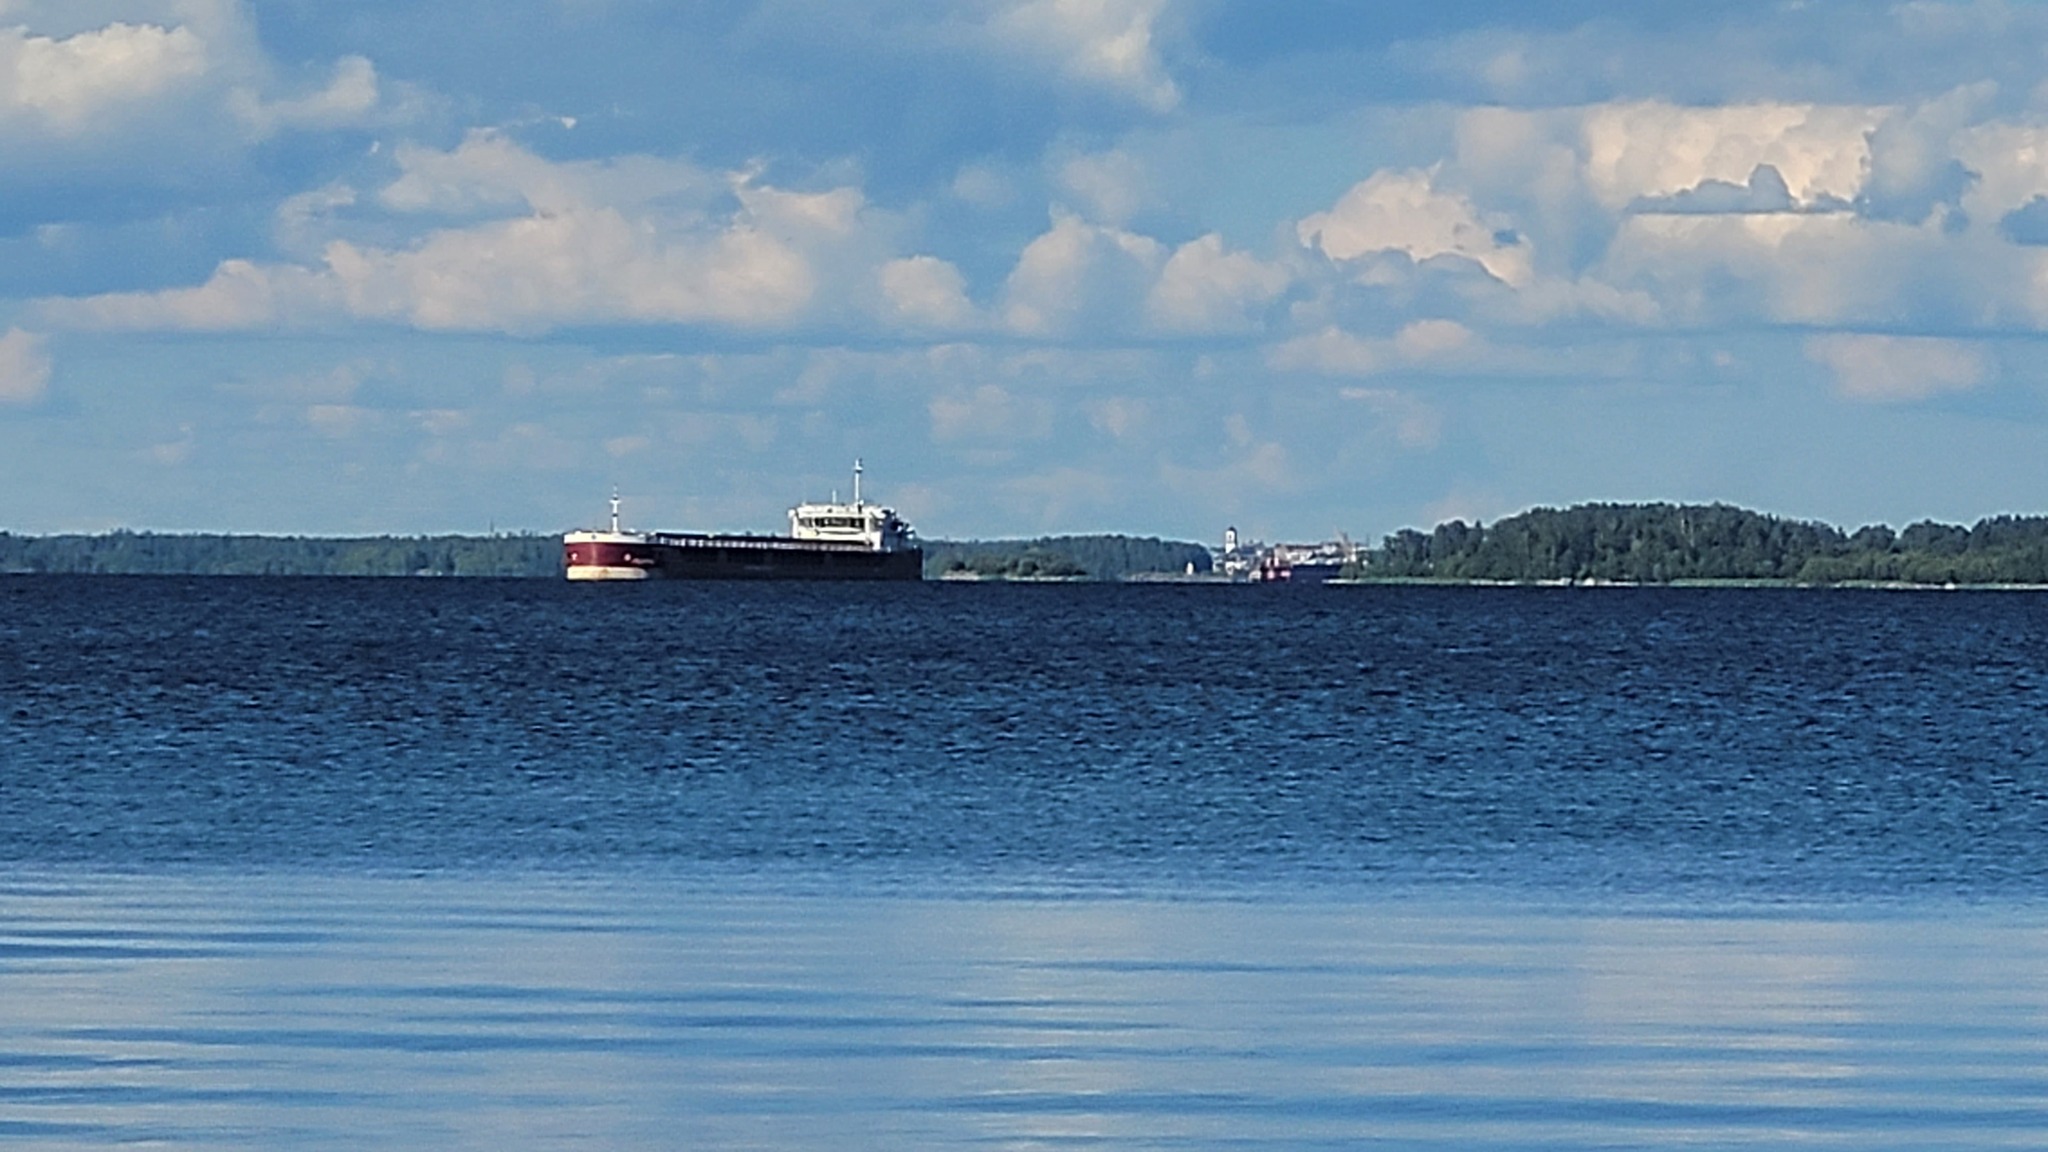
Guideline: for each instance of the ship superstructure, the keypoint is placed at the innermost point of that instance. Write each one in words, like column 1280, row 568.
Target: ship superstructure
column 827, row 541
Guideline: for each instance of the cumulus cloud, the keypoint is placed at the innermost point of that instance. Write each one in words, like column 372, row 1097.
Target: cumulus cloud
column 240, row 295
column 1335, row 352
column 1078, row 272
column 489, row 173
column 1111, row 186
column 1829, row 269
column 349, row 97
column 1898, row 369
column 187, row 72
column 590, row 244
column 983, row 186
column 1652, row 213
column 1205, row 288
column 1650, row 149
column 1913, row 164
column 1766, row 191
column 24, row 367
column 303, row 222
column 926, row 292
column 2008, row 165
column 1404, row 212
column 2026, row 224
column 592, row 265
column 65, row 85
column 1106, row 43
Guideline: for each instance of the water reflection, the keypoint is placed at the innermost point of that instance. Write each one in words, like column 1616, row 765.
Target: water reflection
column 549, row 1012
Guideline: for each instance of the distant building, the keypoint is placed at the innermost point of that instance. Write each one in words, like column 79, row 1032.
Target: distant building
column 1249, row 560
column 1305, row 563
column 1239, row 560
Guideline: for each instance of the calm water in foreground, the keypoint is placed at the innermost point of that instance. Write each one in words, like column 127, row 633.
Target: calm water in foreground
column 305, row 863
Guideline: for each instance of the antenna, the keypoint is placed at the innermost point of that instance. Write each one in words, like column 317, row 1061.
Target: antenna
column 615, row 511
column 856, row 480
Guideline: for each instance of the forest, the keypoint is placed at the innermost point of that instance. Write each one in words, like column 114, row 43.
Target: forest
column 1665, row 543
column 1104, row 557
column 149, row 553
column 1621, row 543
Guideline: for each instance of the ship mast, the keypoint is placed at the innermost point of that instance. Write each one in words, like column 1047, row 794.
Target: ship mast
column 856, row 481
column 615, row 511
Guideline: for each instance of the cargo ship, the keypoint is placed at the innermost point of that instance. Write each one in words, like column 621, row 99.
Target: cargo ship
column 828, row 541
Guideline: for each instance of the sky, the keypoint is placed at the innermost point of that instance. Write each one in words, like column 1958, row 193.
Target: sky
column 1046, row 266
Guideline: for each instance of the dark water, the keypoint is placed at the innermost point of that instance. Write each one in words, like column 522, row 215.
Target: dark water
column 1725, row 742
column 453, row 864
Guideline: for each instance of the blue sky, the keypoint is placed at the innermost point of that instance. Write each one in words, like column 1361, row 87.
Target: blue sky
column 1151, row 266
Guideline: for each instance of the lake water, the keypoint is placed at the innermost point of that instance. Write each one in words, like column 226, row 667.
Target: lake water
column 308, row 863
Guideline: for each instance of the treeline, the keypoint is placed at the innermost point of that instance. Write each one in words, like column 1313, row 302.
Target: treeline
column 1661, row 543
column 1073, row 557
column 151, row 554
column 155, row 554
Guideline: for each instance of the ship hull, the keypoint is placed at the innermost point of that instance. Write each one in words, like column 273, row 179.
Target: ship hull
column 1307, row 572
column 659, row 556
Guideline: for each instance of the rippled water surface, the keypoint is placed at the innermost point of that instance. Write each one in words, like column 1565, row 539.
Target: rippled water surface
column 303, row 863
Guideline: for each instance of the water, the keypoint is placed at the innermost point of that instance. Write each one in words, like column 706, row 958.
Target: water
column 481, row 864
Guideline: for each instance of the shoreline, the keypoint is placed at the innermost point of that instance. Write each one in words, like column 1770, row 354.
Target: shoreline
column 1140, row 578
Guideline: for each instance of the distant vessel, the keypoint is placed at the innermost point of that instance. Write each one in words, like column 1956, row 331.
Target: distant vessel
column 829, row 541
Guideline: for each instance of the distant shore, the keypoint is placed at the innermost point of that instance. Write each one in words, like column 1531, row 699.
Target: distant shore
column 1587, row 545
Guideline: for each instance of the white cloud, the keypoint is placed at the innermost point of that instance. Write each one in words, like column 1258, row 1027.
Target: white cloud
column 304, row 220
column 596, row 243
column 1205, row 289
column 66, row 85
column 340, row 421
column 926, row 292
column 1100, row 42
column 1432, row 339
column 2010, row 161
column 983, row 187
column 1654, row 149
column 590, row 265
column 1792, row 213
column 489, row 172
column 1898, row 369
column 1403, row 211
column 1119, row 417
column 24, row 367
column 524, row 275
column 1335, row 352
column 348, row 98
column 178, row 78
column 1814, row 269
column 1079, row 273
column 240, row 295
column 1111, row 186
column 1913, row 163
